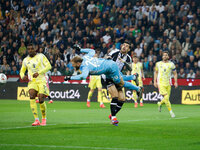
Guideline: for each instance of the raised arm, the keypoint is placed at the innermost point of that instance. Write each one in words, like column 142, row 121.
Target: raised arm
column 88, row 51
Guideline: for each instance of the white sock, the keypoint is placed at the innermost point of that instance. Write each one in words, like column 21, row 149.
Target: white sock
column 88, row 100
column 101, row 103
column 113, row 117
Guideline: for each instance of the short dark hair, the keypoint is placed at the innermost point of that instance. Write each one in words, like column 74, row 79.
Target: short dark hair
column 128, row 42
column 30, row 44
column 165, row 52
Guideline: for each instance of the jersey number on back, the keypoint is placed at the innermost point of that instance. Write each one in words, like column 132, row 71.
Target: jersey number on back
column 92, row 61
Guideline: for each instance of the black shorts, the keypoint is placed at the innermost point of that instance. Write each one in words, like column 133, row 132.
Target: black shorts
column 106, row 83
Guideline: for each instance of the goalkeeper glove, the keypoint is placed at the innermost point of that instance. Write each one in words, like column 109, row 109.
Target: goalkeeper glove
column 77, row 47
column 67, row 78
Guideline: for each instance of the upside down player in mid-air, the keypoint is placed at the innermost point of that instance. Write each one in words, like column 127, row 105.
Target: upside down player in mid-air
column 137, row 68
column 162, row 78
column 95, row 82
column 37, row 65
column 97, row 66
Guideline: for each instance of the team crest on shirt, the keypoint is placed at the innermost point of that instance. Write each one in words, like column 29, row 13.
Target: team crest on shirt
column 33, row 65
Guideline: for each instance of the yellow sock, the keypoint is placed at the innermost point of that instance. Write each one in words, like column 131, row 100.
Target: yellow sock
column 43, row 109
column 90, row 95
column 134, row 97
column 33, row 106
column 100, row 97
column 167, row 102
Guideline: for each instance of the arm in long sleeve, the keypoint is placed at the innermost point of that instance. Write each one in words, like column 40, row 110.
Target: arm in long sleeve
column 83, row 75
column 128, row 66
column 88, row 51
column 22, row 70
column 47, row 65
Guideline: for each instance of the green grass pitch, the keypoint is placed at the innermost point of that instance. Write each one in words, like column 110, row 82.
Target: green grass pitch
column 71, row 125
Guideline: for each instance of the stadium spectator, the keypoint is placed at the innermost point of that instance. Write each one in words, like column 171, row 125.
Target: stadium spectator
column 55, row 72
column 181, row 74
column 170, row 26
column 191, row 74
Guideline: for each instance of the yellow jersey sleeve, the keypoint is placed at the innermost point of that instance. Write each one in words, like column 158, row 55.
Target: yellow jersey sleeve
column 173, row 67
column 23, row 69
column 45, row 63
column 156, row 67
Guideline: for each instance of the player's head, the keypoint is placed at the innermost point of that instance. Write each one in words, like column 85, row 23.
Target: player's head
column 126, row 46
column 165, row 55
column 31, row 49
column 76, row 62
column 135, row 58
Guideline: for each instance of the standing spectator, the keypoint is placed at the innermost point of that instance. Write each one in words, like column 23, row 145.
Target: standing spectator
column 138, row 51
column 90, row 6
column 44, row 25
column 22, row 49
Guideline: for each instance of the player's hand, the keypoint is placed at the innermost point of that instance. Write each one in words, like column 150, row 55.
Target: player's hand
column 77, row 47
column 156, row 85
column 66, row 78
column 35, row 75
column 176, row 84
column 25, row 78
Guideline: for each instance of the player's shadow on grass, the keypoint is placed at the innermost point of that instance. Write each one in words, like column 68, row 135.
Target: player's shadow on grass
column 196, row 143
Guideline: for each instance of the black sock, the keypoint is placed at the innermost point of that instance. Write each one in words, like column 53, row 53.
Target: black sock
column 49, row 97
column 113, row 105
column 119, row 106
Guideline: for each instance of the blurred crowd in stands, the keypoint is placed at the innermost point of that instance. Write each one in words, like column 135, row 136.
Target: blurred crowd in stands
column 152, row 26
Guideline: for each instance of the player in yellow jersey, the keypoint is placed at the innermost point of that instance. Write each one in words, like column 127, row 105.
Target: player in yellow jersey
column 95, row 82
column 137, row 68
column 162, row 78
column 37, row 65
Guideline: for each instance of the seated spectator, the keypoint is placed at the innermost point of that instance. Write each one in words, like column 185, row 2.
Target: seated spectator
column 14, row 71
column 146, row 64
column 191, row 75
column 67, row 72
column 62, row 68
column 181, row 74
column 197, row 74
column 187, row 68
column 55, row 72
column 5, row 67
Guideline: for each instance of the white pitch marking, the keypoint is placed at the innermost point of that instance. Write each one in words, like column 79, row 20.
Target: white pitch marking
column 25, row 127
column 67, row 147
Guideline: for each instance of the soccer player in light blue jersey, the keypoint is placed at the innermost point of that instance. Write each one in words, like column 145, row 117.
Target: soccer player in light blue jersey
column 96, row 66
